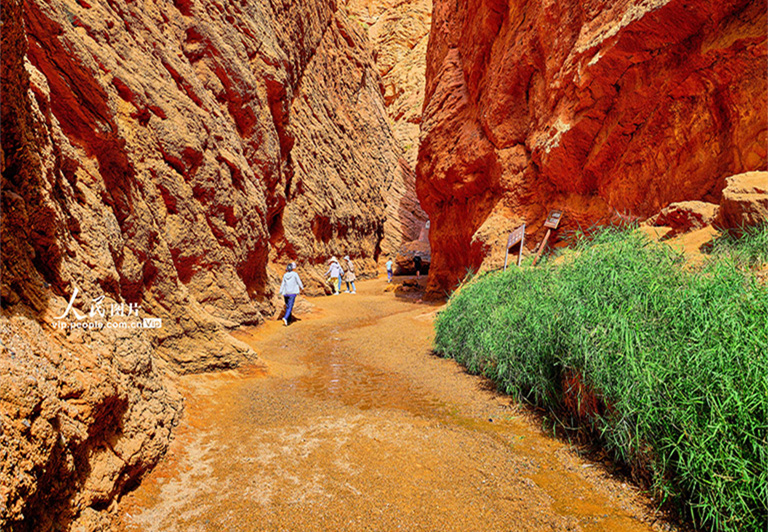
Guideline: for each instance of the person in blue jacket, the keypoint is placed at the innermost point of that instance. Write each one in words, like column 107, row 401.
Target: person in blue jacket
column 289, row 289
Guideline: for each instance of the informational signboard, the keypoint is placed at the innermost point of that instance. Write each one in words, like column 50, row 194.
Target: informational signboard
column 515, row 237
column 553, row 220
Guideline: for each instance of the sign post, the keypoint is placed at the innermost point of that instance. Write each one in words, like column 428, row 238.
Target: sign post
column 553, row 220
column 515, row 237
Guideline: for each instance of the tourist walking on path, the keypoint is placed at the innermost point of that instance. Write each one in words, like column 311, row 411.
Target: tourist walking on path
column 289, row 289
column 334, row 275
column 349, row 277
column 417, row 265
column 389, row 270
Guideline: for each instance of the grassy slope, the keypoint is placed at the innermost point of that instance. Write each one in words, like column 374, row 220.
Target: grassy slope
column 678, row 358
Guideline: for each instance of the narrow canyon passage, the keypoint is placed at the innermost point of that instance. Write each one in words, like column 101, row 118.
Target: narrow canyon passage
column 353, row 425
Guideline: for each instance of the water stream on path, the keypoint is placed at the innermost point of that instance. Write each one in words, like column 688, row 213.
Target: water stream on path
column 351, row 424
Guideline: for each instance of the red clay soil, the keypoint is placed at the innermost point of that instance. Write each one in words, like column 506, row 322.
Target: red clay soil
column 352, row 424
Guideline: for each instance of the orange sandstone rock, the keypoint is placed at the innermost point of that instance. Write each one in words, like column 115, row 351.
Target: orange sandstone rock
column 399, row 31
column 685, row 215
column 745, row 201
column 181, row 147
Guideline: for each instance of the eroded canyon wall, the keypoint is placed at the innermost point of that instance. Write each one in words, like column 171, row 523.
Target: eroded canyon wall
column 170, row 157
column 399, row 31
column 599, row 108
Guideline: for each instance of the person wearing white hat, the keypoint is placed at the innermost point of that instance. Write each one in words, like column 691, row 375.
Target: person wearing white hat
column 334, row 275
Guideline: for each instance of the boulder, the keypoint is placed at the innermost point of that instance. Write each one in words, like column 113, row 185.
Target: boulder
column 684, row 216
column 744, row 201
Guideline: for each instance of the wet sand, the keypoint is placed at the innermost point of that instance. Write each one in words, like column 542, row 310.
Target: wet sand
column 352, row 424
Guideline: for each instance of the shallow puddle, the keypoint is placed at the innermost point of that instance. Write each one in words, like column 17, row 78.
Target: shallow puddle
column 353, row 425
column 364, row 387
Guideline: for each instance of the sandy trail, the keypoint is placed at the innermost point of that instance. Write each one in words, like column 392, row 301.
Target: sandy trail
column 354, row 425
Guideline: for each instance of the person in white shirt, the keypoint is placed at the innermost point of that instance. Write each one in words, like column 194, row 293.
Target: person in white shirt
column 334, row 274
column 389, row 270
column 289, row 289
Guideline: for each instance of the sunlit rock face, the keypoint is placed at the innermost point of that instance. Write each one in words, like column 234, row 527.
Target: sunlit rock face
column 399, row 31
column 744, row 202
column 603, row 109
column 171, row 152
column 171, row 155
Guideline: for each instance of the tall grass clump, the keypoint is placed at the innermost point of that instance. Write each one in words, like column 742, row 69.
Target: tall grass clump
column 677, row 359
column 748, row 247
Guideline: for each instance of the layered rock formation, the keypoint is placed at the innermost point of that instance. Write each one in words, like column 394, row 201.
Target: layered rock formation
column 167, row 158
column 82, row 414
column 179, row 145
column 82, row 417
column 399, row 32
column 601, row 109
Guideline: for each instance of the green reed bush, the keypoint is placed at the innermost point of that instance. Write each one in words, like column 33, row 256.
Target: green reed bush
column 679, row 358
column 747, row 247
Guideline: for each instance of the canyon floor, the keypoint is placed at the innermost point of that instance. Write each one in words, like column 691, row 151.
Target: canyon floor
column 352, row 424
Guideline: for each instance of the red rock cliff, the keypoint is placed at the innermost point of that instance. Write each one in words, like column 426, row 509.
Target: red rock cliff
column 172, row 155
column 595, row 107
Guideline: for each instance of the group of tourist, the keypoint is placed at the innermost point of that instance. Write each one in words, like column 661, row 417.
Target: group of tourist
column 292, row 285
column 336, row 274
